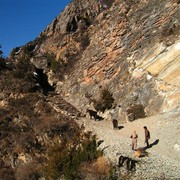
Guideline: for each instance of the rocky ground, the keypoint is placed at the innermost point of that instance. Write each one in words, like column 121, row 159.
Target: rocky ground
column 163, row 160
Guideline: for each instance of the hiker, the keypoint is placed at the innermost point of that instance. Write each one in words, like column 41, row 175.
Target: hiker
column 147, row 136
column 134, row 137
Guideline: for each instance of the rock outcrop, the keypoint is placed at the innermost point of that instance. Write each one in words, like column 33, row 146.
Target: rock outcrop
column 131, row 48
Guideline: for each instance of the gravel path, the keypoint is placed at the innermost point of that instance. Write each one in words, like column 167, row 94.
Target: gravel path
column 163, row 160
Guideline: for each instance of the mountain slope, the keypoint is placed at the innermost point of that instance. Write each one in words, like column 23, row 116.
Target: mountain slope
column 130, row 48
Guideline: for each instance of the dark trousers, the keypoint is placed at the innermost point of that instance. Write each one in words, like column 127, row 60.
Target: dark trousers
column 115, row 124
column 147, row 142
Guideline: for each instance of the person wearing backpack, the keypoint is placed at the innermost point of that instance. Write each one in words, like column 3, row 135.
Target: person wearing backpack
column 147, row 136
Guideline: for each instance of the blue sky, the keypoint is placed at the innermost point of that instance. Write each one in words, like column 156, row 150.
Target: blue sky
column 22, row 20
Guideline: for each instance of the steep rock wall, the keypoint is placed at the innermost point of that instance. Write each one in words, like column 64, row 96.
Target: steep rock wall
column 131, row 48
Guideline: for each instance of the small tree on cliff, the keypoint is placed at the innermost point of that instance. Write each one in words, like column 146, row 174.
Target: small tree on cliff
column 105, row 101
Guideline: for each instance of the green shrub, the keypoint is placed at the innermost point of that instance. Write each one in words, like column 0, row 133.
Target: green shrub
column 13, row 52
column 65, row 161
column 53, row 64
column 24, row 69
column 2, row 63
column 105, row 101
column 28, row 49
column 18, row 78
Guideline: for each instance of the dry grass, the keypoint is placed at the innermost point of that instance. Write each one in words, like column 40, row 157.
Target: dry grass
column 98, row 170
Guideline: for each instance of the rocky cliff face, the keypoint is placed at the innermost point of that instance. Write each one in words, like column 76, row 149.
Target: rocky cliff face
column 131, row 48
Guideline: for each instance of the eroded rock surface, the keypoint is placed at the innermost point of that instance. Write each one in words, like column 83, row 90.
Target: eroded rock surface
column 130, row 48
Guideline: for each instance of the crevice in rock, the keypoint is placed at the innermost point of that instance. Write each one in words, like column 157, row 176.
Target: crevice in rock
column 72, row 25
column 42, row 79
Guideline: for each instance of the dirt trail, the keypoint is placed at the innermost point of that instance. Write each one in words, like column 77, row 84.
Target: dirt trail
column 164, row 155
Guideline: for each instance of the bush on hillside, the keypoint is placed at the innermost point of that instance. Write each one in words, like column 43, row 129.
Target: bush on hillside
column 2, row 63
column 24, row 69
column 65, row 159
column 105, row 101
column 29, row 48
column 53, row 64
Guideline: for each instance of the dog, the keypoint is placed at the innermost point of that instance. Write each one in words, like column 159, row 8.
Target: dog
column 140, row 153
column 92, row 114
